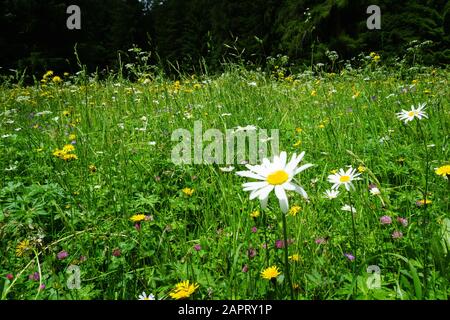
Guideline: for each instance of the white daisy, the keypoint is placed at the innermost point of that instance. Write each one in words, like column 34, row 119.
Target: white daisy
column 348, row 208
column 331, row 194
column 344, row 178
column 418, row 113
column 143, row 296
column 227, row 169
column 275, row 175
column 375, row 191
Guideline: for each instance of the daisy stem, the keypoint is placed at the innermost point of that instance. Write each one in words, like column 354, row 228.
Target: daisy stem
column 286, row 258
column 354, row 242
column 265, row 238
column 425, row 218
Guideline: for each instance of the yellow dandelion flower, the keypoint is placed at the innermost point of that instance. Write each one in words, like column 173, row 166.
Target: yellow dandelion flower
column 68, row 148
column 270, row 273
column 197, row 86
column 298, row 130
column 22, row 247
column 183, row 290
column 69, row 156
column 188, row 191
column 66, row 113
column 422, row 202
column 294, row 210
column 56, row 79
column 443, row 171
column 72, row 136
column 415, row 81
column 361, row 169
column 59, row 153
column 255, row 214
column 137, row 217
column 321, row 126
column 49, row 73
column 295, row 257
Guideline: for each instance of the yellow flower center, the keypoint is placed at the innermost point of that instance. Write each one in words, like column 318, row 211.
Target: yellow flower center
column 278, row 177
column 411, row 114
column 344, row 179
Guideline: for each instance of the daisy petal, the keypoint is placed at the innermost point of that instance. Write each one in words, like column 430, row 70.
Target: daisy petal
column 301, row 191
column 281, row 195
column 303, row 167
column 249, row 174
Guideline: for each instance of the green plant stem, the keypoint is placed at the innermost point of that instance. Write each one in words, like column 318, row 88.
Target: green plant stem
column 265, row 238
column 286, row 258
column 355, row 286
column 40, row 274
column 425, row 218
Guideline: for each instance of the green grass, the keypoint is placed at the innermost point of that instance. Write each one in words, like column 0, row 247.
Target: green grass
column 88, row 213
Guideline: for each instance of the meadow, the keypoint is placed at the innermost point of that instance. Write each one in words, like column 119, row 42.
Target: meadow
column 88, row 181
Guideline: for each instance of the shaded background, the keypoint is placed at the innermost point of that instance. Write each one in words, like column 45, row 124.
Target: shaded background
column 186, row 33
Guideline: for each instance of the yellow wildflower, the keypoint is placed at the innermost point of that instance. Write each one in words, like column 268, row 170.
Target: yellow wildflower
column 22, row 247
column 443, row 171
column 68, row 148
column 295, row 257
column 294, row 210
column 255, row 214
column 137, row 217
column 69, row 156
column 183, row 290
column 270, row 273
column 188, row 191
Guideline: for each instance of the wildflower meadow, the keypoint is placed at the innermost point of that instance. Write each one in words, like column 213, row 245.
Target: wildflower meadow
column 354, row 203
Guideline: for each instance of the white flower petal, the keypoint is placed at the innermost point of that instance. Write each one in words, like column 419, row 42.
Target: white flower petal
column 264, row 192
column 301, row 191
column 254, row 185
column 249, row 174
column 281, row 195
column 302, row 168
